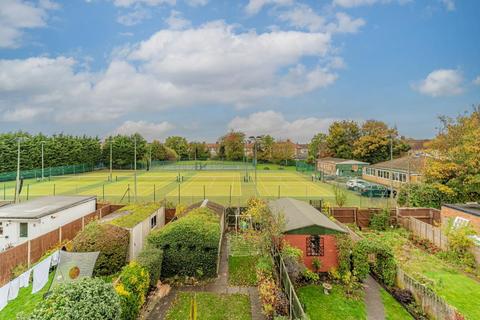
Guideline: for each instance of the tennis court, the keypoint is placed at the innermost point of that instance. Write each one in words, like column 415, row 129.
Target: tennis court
column 184, row 186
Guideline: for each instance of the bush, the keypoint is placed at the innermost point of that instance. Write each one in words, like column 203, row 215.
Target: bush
column 111, row 241
column 380, row 221
column 132, row 286
column 151, row 259
column 87, row 299
column 425, row 195
column 189, row 244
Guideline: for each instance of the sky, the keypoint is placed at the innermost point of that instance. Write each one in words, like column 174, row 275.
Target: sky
column 200, row 68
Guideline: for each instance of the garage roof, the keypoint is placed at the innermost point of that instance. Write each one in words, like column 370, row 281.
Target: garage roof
column 302, row 218
column 41, row 207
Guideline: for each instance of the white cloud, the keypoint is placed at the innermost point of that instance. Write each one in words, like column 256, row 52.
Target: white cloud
column 303, row 17
column 176, row 21
column 275, row 124
column 477, row 81
column 442, row 82
column 134, row 17
column 23, row 114
column 449, row 4
column 128, row 3
column 17, row 15
column 255, row 6
column 150, row 131
column 359, row 3
column 208, row 65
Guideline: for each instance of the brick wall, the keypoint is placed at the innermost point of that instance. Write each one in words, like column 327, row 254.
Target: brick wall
column 448, row 213
column 329, row 259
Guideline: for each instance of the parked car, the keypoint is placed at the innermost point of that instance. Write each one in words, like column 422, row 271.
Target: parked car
column 356, row 184
column 374, row 191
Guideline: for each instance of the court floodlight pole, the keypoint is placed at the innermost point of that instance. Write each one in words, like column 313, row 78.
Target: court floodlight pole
column 135, row 168
column 111, row 159
column 42, row 143
column 17, row 186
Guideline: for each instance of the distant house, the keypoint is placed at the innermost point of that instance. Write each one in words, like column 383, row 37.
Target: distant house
column 340, row 167
column 467, row 213
column 396, row 172
column 31, row 219
column 212, row 149
column 309, row 230
column 301, row 151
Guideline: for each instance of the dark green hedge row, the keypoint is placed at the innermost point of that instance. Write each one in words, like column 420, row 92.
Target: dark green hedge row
column 189, row 244
column 151, row 259
column 111, row 241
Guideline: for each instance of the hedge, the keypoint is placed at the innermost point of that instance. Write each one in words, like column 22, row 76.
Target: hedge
column 87, row 299
column 151, row 259
column 189, row 244
column 132, row 286
column 111, row 241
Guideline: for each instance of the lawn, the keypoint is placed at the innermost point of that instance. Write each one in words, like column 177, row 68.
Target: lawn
column 242, row 259
column 211, row 306
column 393, row 309
column 457, row 288
column 25, row 302
column 336, row 305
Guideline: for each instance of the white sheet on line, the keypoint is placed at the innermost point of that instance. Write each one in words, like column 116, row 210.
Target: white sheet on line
column 14, row 287
column 25, row 278
column 40, row 274
column 55, row 257
column 4, row 296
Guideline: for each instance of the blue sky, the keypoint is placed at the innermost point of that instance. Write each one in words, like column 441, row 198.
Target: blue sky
column 199, row 68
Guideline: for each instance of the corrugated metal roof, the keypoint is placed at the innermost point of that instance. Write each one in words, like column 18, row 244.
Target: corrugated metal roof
column 40, row 207
column 301, row 215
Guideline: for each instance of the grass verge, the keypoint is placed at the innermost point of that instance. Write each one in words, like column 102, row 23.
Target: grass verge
column 393, row 309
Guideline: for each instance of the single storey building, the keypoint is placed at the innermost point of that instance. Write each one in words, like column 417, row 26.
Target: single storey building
column 340, row 167
column 467, row 212
column 309, row 230
column 396, row 172
column 28, row 220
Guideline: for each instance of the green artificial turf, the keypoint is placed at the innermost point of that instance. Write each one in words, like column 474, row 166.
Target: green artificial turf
column 393, row 309
column 336, row 305
column 210, row 306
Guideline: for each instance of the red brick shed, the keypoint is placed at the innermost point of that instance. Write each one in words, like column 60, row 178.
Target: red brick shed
column 309, row 230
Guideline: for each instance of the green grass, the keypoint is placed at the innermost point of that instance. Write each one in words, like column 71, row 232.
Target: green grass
column 138, row 213
column 25, row 302
column 450, row 283
column 336, row 305
column 211, row 306
column 393, row 309
column 241, row 270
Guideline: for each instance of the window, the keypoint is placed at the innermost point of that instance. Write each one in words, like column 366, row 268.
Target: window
column 153, row 221
column 23, row 230
column 315, row 246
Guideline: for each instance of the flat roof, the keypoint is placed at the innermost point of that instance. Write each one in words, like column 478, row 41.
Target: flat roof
column 41, row 207
column 470, row 208
column 412, row 163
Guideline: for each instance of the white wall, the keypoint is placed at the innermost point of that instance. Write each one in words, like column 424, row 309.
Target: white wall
column 139, row 233
column 44, row 225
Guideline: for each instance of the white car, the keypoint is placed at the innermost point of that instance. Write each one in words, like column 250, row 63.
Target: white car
column 355, row 183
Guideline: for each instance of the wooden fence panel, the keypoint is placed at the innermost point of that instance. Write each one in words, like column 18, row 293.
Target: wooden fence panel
column 344, row 214
column 11, row 258
column 70, row 230
column 42, row 244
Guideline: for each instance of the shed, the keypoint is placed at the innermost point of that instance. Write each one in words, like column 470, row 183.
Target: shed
column 309, row 230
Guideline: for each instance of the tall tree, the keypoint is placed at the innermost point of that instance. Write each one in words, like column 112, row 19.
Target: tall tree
column 283, row 151
column 198, row 150
column 123, row 150
column 341, row 137
column 231, row 145
column 179, row 144
column 318, row 148
column 162, row 152
column 374, row 143
column 265, row 148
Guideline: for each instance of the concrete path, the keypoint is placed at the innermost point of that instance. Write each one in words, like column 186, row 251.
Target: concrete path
column 220, row 286
column 373, row 300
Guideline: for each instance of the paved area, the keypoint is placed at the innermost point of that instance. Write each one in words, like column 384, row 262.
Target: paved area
column 220, row 285
column 373, row 300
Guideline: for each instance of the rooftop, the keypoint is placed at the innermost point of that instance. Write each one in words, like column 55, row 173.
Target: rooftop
column 332, row 159
column 302, row 218
column 131, row 215
column 413, row 163
column 41, row 207
column 470, row 208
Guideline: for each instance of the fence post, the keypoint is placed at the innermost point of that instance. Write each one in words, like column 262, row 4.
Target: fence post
column 128, row 190
column 154, row 195
column 4, row 192
column 178, row 193
column 204, row 192
column 29, row 255
column 290, row 300
column 278, row 192
column 60, row 234
column 54, row 189
column 103, row 192
column 230, row 202
column 28, row 190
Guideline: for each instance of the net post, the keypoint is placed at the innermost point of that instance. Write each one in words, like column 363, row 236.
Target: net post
column 54, row 189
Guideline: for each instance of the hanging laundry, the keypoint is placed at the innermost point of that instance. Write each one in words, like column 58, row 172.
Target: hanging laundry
column 40, row 274
column 13, row 290
column 25, row 278
column 55, row 257
column 4, row 296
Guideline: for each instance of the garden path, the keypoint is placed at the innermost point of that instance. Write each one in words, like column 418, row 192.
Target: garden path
column 373, row 300
column 220, row 285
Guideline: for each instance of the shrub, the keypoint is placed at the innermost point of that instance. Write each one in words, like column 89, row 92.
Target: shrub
column 151, row 259
column 385, row 267
column 425, row 195
column 132, row 286
column 189, row 244
column 310, row 276
column 87, row 299
column 380, row 221
column 316, row 264
column 111, row 241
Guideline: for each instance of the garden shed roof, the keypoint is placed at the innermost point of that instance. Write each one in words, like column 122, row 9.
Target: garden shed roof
column 213, row 206
column 302, row 218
